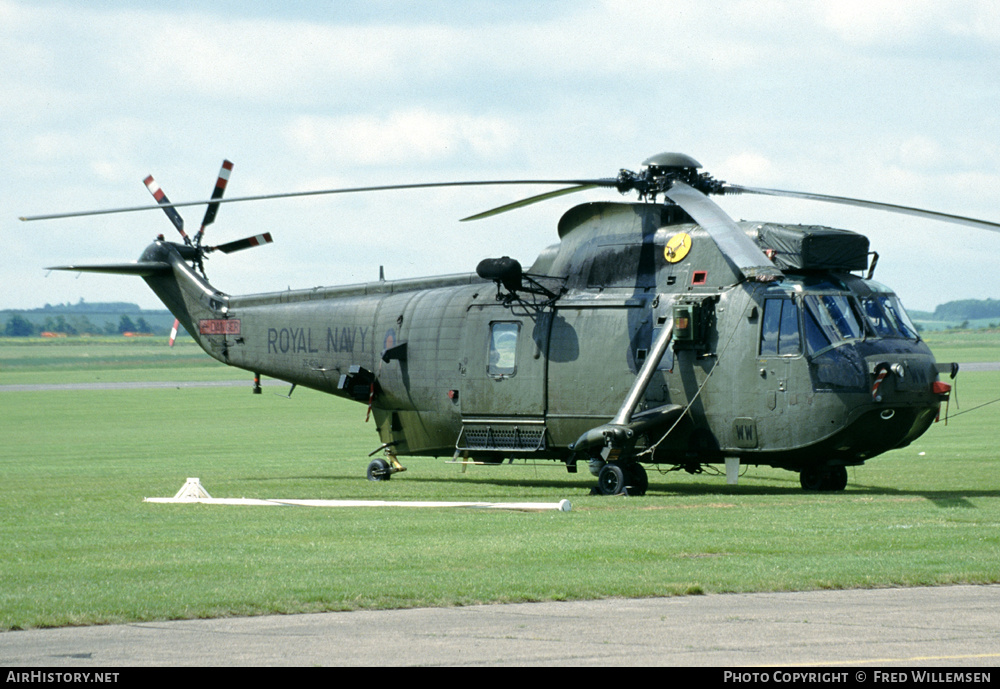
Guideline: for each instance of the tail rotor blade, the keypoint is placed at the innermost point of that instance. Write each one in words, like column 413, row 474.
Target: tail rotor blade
column 213, row 208
column 173, row 332
column 171, row 212
column 245, row 243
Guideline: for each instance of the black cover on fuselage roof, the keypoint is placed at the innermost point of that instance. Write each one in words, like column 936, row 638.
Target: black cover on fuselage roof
column 813, row 247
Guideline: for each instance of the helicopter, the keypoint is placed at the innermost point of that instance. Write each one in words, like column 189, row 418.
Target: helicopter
column 654, row 332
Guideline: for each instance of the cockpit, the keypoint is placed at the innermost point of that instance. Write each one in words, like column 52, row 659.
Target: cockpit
column 829, row 316
column 835, row 326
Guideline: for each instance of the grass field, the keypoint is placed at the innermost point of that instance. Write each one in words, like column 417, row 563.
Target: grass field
column 965, row 346
column 81, row 547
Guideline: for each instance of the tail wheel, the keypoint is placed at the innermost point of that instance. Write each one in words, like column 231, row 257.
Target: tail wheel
column 379, row 470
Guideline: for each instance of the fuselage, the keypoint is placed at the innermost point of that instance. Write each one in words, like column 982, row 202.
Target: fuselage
column 822, row 366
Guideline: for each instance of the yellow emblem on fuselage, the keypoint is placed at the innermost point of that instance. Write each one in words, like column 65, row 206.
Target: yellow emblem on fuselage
column 677, row 247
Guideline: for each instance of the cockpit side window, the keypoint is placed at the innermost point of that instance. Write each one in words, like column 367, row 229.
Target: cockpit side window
column 895, row 312
column 877, row 317
column 779, row 333
column 886, row 316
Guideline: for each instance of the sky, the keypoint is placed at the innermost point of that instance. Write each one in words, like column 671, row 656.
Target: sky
column 890, row 101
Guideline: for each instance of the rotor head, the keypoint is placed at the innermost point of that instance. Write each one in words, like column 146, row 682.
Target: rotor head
column 671, row 160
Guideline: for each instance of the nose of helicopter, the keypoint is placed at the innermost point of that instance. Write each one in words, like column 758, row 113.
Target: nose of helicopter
column 905, row 379
column 906, row 396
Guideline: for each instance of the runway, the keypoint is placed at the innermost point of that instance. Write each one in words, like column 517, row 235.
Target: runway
column 952, row 626
column 138, row 385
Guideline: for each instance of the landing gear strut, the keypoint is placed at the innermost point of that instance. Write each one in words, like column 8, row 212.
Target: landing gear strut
column 383, row 469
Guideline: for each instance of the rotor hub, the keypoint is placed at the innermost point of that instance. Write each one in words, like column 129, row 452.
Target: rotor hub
column 659, row 173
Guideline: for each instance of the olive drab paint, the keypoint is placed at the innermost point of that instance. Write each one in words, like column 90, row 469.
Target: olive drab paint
column 489, row 379
column 658, row 333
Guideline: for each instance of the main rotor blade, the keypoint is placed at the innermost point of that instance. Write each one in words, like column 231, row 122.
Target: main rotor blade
column 861, row 203
column 322, row 192
column 530, row 200
column 731, row 240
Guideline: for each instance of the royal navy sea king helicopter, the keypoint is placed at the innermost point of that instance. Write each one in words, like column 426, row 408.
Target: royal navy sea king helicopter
column 659, row 332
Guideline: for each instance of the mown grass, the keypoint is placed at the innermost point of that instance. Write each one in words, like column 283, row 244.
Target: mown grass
column 81, row 547
column 964, row 346
column 106, row 359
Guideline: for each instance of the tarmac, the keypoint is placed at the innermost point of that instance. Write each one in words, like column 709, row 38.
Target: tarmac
column 868, row 630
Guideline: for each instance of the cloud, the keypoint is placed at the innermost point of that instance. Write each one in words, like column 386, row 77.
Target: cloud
column 857, row 99
column 888, row 22
column 748, row 165
column 402, row 137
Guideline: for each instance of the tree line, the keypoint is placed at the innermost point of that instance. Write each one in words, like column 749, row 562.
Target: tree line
column 19, row 326
column 968, row 309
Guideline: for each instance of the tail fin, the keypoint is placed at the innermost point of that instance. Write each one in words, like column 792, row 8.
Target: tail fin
column 189, row 297
column 140, row 268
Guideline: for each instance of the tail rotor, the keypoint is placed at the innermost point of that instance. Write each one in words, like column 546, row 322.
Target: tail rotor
column 161, row 198
column 211, row 211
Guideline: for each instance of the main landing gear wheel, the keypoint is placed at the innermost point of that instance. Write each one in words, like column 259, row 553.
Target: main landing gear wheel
column 379, row 470
column 638, row 482
column 616, row 479
column 836, row 479
column 611, row 480
column 823, row 478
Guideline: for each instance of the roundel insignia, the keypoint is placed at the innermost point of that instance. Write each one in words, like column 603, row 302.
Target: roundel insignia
column 677, row 247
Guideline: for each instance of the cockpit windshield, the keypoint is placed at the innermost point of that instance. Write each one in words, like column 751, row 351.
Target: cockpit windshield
column 830, row 321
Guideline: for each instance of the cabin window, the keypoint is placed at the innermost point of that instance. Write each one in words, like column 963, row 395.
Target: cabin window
column 779, row 333
column 503, row 348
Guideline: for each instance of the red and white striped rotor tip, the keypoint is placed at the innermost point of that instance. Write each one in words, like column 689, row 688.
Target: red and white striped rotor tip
column 220, row 188
column 245, row 243
column 161, row 198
